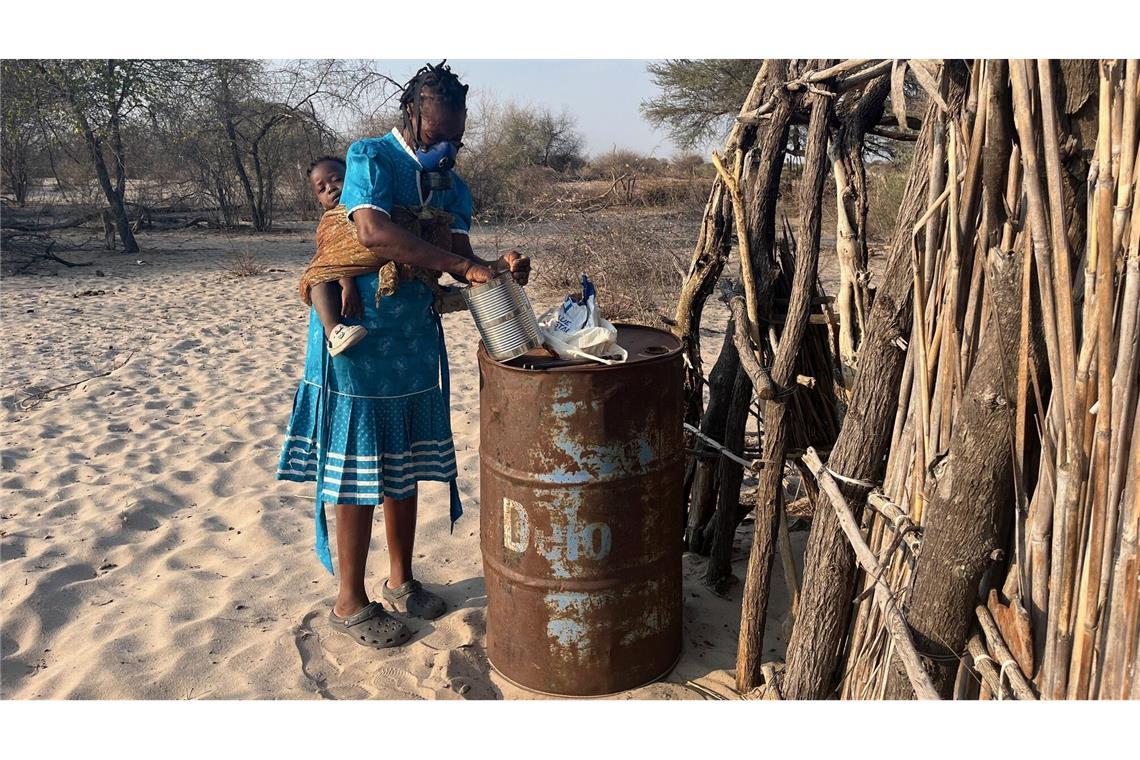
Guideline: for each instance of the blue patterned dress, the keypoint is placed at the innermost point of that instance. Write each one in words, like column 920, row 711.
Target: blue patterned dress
column 375, row 420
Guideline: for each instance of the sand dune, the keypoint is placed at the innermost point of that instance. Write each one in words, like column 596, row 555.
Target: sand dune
column 148, row 553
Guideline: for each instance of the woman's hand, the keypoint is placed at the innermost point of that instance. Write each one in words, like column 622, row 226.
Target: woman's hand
column 351, row 306
column 476, row 274
column 515, row 263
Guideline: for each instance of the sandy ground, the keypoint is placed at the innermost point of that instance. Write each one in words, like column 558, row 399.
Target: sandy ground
column 147, row 551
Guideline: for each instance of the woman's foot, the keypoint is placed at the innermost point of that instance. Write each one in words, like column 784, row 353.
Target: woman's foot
column 344, row 337
column 414, row 599
column 371, row 626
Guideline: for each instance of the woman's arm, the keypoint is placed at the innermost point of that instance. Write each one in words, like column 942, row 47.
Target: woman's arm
column 377, row 232
column 512, row 261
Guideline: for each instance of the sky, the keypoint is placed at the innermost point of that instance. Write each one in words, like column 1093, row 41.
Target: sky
column 604, row 95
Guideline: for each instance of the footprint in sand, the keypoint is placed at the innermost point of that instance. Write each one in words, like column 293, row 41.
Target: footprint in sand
column 456, row 630
column 185, row 345
column 363, row 674
column 185, row 476
column 220, row 455
column 461, row 674
column 313, row 664
column 137, row 520
column 66, row 476
column 113, row 446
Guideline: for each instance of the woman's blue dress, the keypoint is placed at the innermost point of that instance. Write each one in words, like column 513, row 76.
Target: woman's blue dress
column 374, row 421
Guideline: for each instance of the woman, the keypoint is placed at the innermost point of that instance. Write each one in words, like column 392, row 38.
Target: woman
column 371, row 423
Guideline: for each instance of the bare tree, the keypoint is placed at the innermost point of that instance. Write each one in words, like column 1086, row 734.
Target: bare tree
column 99, row 97
column 23, row 134
column 508, row 144
column 256, row 120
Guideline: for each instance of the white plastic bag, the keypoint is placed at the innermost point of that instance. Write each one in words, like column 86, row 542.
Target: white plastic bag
column 575, row 330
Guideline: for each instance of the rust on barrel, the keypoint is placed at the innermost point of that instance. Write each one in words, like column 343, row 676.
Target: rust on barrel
column 581, row 469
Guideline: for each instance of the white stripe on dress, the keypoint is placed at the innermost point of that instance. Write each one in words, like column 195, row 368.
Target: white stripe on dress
column 424, row 461
column 426, row 444
column 302, row 439
column 448, row 473
column 297, row 472
column 354, row 395
column 395, row 493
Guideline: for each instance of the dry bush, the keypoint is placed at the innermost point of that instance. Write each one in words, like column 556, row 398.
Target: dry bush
column 885, row 188
column 245, row 264
column 666, row 192
column 504, row 191
column 636, row 262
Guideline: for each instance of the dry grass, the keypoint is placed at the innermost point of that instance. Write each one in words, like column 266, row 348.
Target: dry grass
column 636, row 261
column 245, row 264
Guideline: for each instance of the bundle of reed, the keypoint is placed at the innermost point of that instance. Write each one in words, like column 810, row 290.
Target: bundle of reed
column 927, row 399
column 1077, row 566
column 1016, row 443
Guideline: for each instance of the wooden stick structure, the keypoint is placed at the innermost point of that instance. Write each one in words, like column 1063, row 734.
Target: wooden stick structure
column 983, row 540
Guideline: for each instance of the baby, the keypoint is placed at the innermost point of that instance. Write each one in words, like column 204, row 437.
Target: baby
column 327, row 283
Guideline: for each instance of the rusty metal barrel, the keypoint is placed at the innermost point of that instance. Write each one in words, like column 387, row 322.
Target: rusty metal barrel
column 581, row 470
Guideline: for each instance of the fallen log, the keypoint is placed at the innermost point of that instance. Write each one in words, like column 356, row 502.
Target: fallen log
column 8, row 224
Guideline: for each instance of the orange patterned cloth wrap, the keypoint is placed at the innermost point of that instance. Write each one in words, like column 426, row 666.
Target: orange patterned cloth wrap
column 340, row 254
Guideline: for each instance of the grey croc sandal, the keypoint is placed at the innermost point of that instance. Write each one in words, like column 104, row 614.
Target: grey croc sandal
column 415, row 600
column 372, row 627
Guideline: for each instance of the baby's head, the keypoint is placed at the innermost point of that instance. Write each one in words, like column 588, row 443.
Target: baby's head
column 326, row 177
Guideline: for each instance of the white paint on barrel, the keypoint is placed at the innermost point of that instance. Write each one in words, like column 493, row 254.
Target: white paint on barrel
column 568, row 540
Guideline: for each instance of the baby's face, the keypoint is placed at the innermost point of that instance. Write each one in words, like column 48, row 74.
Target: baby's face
column 326, row 181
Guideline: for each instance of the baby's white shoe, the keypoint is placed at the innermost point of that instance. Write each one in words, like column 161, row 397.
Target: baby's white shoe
column 344, row 337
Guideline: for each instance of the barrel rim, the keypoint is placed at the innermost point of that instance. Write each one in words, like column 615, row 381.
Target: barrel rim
column 514, row 352
column 594, row 366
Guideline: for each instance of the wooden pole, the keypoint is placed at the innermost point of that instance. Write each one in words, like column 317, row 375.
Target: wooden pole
column 713, row 244
column 900, row 632
column 769, row 496
column 1017, row 679
column 859, row 451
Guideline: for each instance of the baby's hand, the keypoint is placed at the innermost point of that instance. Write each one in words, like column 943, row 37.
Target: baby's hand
column 351, row 306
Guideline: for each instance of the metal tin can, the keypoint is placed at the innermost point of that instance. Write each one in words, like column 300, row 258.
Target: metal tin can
column 581, row 470
column 503, row 316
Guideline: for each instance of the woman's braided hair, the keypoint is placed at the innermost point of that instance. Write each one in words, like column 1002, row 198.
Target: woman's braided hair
column 440, row 84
